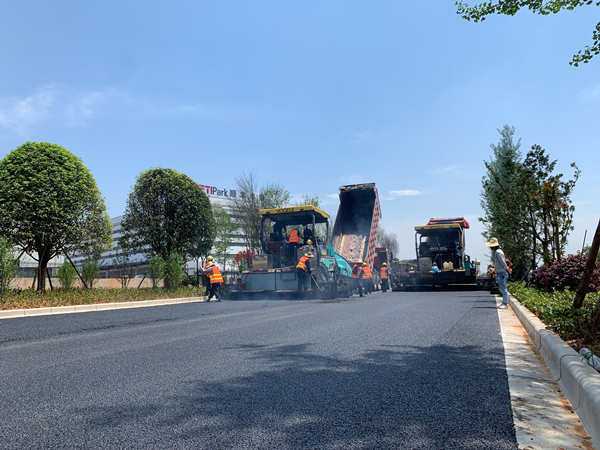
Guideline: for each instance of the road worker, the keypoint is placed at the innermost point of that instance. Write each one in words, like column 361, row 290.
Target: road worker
column 293, row 242
column 205, row 278
column 303, row 270
column 216, row 279
column 385, row 282
column 367, row 278
column 357, row 276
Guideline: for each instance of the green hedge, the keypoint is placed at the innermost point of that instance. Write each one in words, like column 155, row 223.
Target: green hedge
column 33, row 299
column 556, row 310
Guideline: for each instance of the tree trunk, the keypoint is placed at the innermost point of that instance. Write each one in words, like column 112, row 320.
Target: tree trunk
column 44, row 257
column 585, row 280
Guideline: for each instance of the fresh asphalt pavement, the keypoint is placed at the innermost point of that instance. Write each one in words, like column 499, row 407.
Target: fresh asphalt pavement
column 422, row 370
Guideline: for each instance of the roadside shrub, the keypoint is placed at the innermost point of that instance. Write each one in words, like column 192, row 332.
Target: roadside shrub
column 8, row 265
column 155, row 270
column 556, row 310
column 90, row 272
column 67, row 275
column 565, row 273
column 16, row 299
column 173, row 271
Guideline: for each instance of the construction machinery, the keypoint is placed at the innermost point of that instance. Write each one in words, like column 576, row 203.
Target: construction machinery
column 354, row 233
column 441, row 244
column 274, row 273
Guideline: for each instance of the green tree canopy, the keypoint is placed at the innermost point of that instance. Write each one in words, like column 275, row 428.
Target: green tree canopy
column 526, row 206
column 511, row 7
column 502, row 199
column 167, row 212
column 50, row 204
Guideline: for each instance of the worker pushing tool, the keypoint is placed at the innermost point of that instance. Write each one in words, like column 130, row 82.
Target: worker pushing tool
column 216, row 279
column 303, row 271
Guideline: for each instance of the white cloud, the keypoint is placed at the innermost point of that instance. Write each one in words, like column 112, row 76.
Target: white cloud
column 443, row 170
column 19, row 114
column 590, row 93
column 69, row 107
column 392, row 195
column 353, row 178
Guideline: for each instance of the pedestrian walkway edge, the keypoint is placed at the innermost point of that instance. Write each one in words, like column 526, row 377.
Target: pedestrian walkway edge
column 578, row 380
column 14, row 313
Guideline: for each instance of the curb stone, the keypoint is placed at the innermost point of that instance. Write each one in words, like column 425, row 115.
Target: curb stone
column 14, row 313
column 578, row 380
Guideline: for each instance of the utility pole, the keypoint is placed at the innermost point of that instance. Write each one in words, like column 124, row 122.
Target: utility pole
column 587, row 275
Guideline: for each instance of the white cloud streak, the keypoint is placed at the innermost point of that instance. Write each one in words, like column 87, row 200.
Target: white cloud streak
column 393, row 195
column 62, row 105
column 590, row 93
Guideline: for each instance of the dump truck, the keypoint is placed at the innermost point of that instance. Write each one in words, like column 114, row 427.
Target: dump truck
column 441, row 243
column 274, row 273
column 354, row 233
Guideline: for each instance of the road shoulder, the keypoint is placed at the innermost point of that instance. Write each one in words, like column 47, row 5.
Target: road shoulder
column 543, row 417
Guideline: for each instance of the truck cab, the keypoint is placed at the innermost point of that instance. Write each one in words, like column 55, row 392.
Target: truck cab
column 441, row 243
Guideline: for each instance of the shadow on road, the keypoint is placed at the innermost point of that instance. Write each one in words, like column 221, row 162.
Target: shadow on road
column 405, row 397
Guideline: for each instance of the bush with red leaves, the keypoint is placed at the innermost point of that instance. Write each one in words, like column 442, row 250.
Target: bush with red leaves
column 565, row 273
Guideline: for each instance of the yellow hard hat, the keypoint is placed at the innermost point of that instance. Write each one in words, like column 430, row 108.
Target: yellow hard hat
column 210, row 258
column 309, row 242
column 384, row 264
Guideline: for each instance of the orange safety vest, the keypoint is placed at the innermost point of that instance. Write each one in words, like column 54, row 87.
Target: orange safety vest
column 302, row 263
column 384, row 274
column 355, row 271
column 294, row 237
column 367, row 273
column 216, row 276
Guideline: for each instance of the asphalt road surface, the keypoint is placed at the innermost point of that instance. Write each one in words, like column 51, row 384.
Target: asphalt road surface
column 398, row 370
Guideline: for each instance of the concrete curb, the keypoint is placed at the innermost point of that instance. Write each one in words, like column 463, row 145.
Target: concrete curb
column 13, row 313
column 578, row 380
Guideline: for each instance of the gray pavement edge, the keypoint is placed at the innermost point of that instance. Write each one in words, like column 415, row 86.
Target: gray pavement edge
column 578, row 380
column 14, row 313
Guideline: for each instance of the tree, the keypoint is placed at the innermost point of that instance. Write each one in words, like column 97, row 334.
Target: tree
column 502, row 199
column 511, row 7
column 548, row 203
column 8, row 265
column 246, row 208
column 67, row 275
column 167, row 212
column 388, row 240
column 90, row 270
column 527, row 207
column 309, row 200
column 125, row 271
column 50, row 204
column 173, row 271
column 225, row 227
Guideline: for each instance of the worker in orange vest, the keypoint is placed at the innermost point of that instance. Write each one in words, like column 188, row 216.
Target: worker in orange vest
column 293, row 242
column 367, row 278
column 357, row 273
column 216, row 279
column 385, row 282
column 206, row 278
column 303, row 270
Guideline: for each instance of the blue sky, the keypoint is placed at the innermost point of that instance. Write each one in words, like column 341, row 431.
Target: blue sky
column 310, row 95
